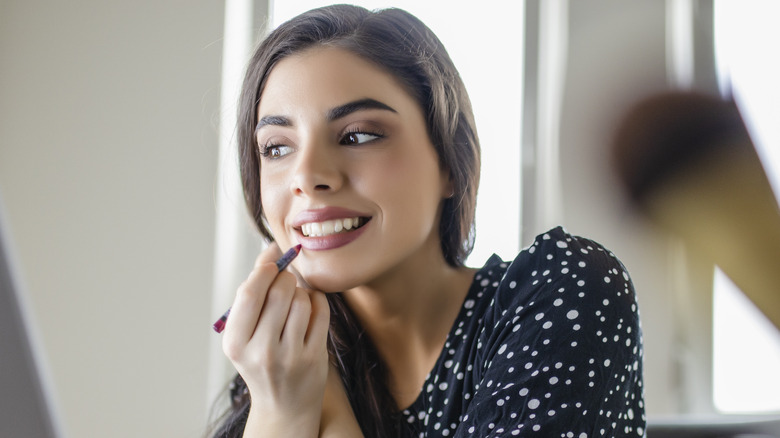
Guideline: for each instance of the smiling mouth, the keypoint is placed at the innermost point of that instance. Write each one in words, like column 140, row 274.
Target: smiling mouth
column 335, row 226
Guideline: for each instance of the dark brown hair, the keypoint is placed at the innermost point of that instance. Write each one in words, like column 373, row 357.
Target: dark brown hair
column 403, row 46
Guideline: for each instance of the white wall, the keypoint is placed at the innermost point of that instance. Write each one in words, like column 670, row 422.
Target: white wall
column 108, row 150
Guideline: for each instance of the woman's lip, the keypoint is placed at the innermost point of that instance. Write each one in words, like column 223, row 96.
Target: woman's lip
column 324, row 214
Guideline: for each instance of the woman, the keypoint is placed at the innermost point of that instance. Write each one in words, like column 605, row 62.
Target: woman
column 357, row 141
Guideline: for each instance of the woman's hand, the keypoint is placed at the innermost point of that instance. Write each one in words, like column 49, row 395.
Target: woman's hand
column 276, row 338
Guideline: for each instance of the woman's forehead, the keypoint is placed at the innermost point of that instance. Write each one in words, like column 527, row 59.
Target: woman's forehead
column 324, row 76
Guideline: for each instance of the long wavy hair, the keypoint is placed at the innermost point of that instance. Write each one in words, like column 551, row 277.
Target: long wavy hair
column 405, row 47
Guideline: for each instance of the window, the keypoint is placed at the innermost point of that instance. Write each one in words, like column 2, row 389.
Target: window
column 746, row 350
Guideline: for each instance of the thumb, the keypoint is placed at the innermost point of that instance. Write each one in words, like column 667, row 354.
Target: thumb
column 269, row 255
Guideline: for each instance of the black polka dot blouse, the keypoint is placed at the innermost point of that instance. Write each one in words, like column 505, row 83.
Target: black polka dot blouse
column 546, row 346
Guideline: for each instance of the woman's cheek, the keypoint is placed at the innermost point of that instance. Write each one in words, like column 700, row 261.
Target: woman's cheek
column 272, row 201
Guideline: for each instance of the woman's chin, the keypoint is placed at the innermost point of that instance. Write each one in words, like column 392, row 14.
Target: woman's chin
column 327, row 283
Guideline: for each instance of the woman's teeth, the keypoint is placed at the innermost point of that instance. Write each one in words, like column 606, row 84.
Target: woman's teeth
column 319, row 229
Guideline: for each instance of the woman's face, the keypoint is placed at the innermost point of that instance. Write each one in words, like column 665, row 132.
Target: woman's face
column 347, row 169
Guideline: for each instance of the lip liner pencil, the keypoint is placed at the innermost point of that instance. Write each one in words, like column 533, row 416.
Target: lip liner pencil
column 282, row 263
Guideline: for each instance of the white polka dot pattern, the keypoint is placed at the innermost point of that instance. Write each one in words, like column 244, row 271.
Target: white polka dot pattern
column 549, row 346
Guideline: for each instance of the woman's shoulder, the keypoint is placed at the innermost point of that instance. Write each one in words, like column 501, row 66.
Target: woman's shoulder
column 557, row 247
column 559, row 264
column 562, row 320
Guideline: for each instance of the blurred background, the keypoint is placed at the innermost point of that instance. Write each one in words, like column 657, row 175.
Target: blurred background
column 118, row 182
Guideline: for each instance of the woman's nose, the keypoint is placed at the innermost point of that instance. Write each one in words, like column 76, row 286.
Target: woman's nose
column 317, row 169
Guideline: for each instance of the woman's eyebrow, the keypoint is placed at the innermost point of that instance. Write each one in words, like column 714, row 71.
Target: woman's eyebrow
column 334, row 114
column 273, row 120
column 358, row 105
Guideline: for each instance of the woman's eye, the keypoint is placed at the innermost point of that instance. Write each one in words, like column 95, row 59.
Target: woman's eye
column 354, row 138
column 275, row 151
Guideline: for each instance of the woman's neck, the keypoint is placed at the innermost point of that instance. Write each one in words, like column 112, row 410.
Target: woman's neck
column 408, row 313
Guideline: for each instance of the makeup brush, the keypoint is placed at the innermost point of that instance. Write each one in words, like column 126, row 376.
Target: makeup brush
column 688, row 164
